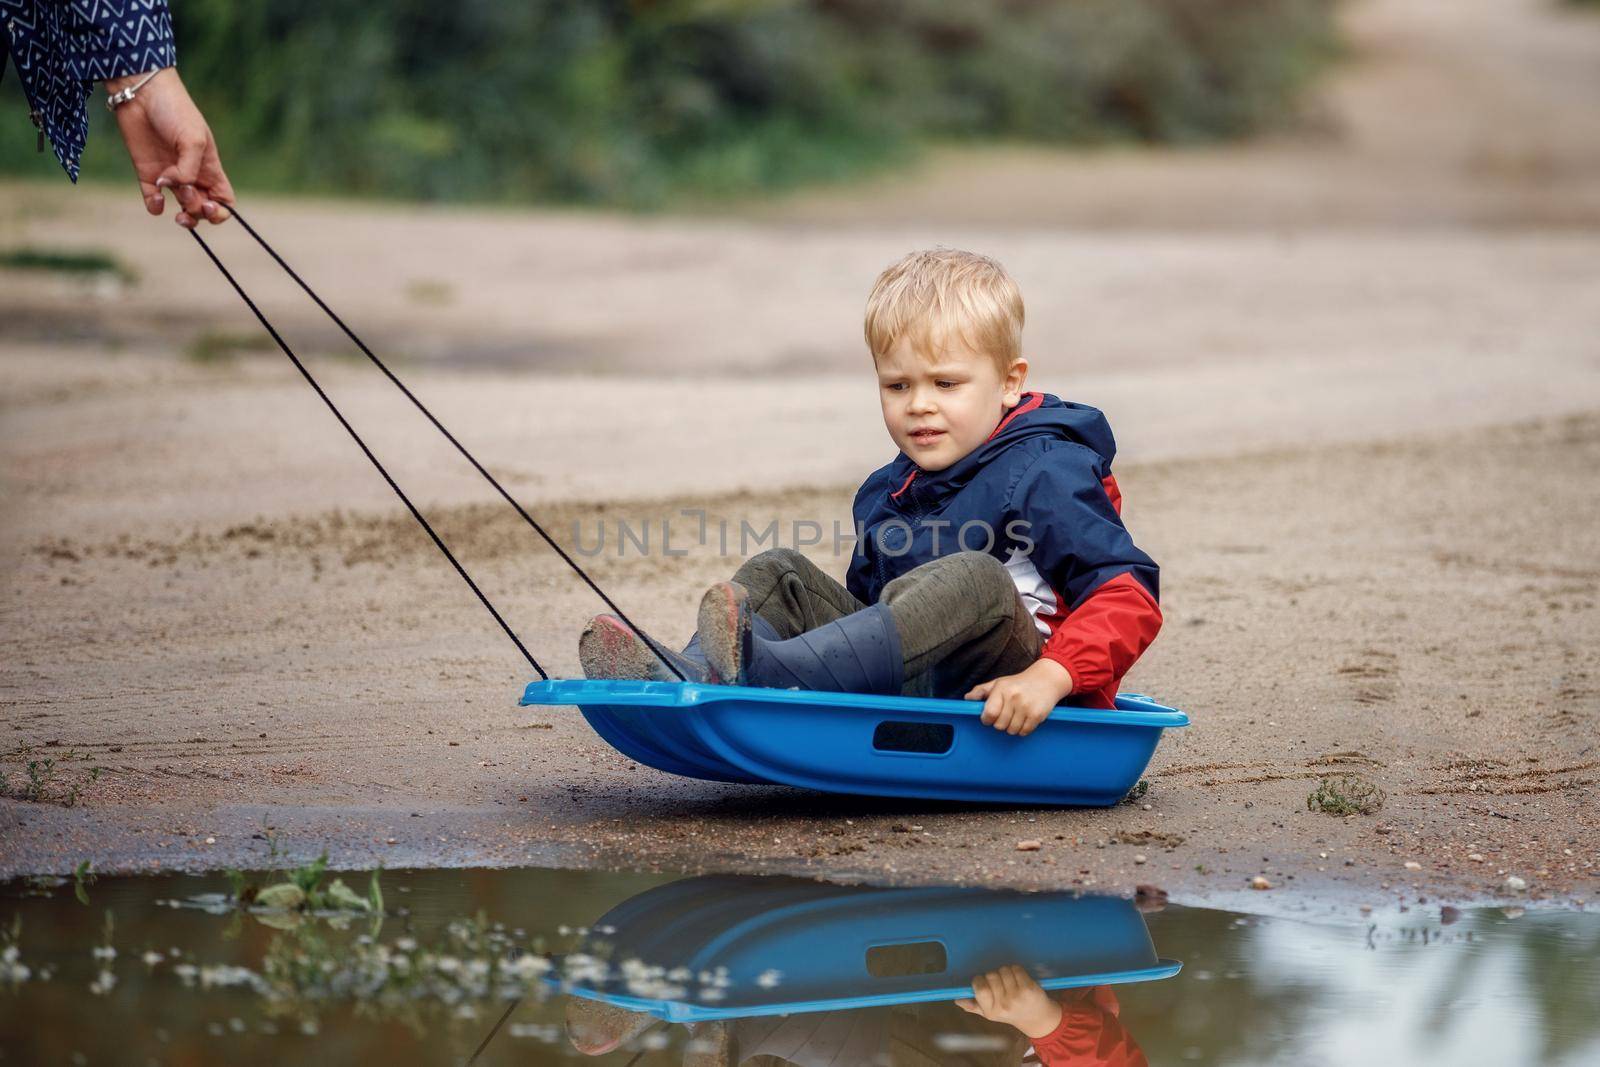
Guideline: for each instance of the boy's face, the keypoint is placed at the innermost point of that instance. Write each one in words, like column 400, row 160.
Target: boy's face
column 939, row 408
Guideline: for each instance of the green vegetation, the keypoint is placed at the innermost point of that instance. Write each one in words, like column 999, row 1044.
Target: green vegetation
column 62, row 261
column 221, row 346
column 472, row 972
column 302, row 890
column 1345, row 794
column 76, row 790
column 83, row 877
column 13, row 972
column 41, row 774
column 640, row 104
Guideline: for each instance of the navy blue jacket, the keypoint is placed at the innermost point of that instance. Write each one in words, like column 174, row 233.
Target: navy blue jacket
column 1039, row 496
column 62, row 47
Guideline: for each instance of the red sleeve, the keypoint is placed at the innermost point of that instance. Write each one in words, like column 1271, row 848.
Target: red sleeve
column 1105, row 634
column 1090, row 1035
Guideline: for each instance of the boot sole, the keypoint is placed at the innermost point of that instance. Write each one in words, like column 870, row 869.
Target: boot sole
column 609, row 649
column 724, row 625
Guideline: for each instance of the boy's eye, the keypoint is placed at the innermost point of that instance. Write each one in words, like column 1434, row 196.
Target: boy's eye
column 896, row 386
column 946, row 384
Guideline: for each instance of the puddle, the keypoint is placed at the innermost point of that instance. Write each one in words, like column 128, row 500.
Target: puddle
column 538, row 966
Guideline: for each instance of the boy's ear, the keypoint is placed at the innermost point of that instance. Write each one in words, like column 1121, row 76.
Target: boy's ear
column 1013, row 382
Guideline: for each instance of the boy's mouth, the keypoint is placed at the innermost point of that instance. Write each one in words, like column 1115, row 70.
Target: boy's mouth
column 925, row 436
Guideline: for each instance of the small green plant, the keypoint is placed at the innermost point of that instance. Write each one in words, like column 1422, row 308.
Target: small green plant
column 431, row 292
column 1345, row 794
column 1140, row 788
column 13, row 971
column 302, row 890
column 105, row 958
column 77, row 790
column 308, row 875
column 82, row 878
column 64, row 261
column 40, row 776
column 39, row 772
column 220, row 346
column 240, row 887
column 274, row 853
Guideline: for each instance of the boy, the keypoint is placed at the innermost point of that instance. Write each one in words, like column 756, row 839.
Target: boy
column 992, row 563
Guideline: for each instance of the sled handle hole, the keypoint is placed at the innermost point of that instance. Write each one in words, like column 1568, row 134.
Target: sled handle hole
column 927, row 738
column 906, row 959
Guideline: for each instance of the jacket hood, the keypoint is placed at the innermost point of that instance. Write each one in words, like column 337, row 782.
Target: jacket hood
column 1037, row 415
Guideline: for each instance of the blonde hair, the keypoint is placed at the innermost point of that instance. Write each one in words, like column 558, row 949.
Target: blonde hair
column 931, row 296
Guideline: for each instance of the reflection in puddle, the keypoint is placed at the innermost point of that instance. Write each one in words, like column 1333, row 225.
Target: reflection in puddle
column 819, row 974
column 559, row 966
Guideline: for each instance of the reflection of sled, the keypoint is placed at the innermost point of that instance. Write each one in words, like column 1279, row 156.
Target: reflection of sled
column 851, row 743
column 826, row 947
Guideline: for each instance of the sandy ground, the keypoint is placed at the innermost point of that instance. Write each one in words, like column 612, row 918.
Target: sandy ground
column 1354, row 371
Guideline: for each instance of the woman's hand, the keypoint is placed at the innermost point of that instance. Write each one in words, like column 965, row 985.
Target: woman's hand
column 1018, row 703
column 1011, row 996
column 172, row 148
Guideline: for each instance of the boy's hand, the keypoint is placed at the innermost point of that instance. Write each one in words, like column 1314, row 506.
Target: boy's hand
column 1018, row 703
column 1010, row 996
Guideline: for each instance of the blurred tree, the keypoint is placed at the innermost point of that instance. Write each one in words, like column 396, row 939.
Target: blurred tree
column 638, row 102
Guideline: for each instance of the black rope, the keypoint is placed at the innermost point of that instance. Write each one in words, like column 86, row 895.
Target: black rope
column 448, row 436
column 301, row 367
column 513, row 1007
column 490, row 1035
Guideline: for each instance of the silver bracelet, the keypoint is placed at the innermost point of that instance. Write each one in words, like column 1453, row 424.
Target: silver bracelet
column 117, row 99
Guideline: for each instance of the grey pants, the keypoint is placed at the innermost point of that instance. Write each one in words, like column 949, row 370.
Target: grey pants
column 959, row 617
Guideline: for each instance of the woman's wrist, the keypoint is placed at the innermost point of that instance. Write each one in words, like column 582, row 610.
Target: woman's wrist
column 117, row 84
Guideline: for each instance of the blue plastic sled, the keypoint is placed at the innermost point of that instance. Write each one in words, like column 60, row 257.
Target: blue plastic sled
column 783, row 946
column 874, row 745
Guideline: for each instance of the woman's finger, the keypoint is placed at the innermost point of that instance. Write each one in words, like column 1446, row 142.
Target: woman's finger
column 191, row 200
column 979, row 691
column 191, row 152
column 218, row 192
column 154, row 202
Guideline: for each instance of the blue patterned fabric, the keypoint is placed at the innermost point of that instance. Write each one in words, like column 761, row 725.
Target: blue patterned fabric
column 62, row 47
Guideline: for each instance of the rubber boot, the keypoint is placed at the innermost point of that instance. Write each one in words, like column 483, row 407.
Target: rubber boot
column 859, row 653
column 608, row 648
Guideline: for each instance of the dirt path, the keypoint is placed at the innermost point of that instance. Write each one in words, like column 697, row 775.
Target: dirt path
column 1354, row 373
column 1422, row 613
column 1446, row 113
